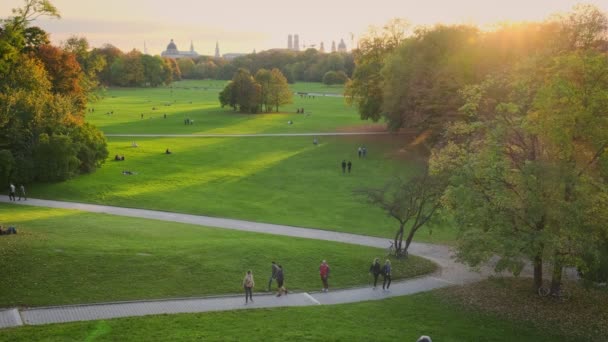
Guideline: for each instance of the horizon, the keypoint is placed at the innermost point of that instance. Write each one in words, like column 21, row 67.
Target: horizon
column 246, row 30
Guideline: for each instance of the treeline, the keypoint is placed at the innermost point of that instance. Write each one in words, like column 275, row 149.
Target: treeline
column 309, row 66
column 132, row 69
column 43, row 95
column 518, row 120
column 248, row 94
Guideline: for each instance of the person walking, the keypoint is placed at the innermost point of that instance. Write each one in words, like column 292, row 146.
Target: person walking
column 281, row 282
column 350, row 165
column 386, row 273
column 324, row 273
column 22, row 192
column 11, row 192
column 359, row 151
column 273, row 274
column 248, row 284
column 343, row 166
column 364, row 151
column 375, row 269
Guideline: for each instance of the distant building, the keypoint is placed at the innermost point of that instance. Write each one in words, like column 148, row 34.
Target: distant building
column 296, row 42
column 231, row 56
column 290, row 42
column 321, row 48
column 333, row 46
column 217, row 49
column 173, row 52
column 341, row 46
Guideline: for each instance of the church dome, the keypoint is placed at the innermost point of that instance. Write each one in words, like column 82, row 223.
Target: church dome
column 171, row 46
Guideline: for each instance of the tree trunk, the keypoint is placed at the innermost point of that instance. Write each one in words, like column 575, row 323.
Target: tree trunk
column 556, row 280
column 399, row 239
column 409, row 239
column 538, row 271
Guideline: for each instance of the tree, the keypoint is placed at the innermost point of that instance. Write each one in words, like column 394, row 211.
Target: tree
column 414, row 201
column 228, row 96
column 186, row 66
column 42, row 131
column 332, row 77
column 525, row 165
column 365, row 90
column 263, row 78
column 279, row 92
column 421, row 78
column 246, row 91
column 91, row 64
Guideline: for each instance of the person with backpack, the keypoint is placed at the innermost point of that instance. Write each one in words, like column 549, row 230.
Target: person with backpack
column 273, row 275
column 324, row 273
column 248, row 284
column 386, row 273
column 375, row 270
column 281, row 282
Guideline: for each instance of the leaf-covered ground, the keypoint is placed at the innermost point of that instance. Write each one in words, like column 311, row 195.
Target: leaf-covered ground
column 584, row 316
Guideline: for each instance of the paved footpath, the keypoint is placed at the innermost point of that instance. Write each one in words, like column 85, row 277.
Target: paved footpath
column 450, row 272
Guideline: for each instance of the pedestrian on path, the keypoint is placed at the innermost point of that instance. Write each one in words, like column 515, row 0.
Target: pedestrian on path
column 11, row 192
column 248, row 284
column 273, row 274
column 386, row 274
column 343, row 166
column 324, row 273
column 374, row 270
column 350, row 165
column 22, row 192
column 359, row 151
column 281, row 282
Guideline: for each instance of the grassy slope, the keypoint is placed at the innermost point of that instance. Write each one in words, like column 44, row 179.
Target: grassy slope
column 395, row 319
column 63, row 256
column 198, row 100
column 278, row 180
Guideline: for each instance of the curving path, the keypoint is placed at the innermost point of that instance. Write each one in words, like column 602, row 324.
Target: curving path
column 450, row 272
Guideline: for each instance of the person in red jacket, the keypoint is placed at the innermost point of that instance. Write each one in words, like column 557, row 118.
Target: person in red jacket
column 324, row 273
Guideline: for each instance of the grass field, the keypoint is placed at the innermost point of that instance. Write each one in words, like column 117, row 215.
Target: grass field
column 395, row 319
column 266, row 179
column 198, row 101
column 70, row 257
column 305, row 87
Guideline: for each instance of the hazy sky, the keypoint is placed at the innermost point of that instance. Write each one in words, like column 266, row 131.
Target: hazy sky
column 244, row 25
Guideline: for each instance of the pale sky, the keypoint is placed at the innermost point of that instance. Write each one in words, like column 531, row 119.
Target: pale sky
column 244, row 25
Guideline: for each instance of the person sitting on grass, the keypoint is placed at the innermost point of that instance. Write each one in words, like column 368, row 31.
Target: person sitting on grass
column 167, row 151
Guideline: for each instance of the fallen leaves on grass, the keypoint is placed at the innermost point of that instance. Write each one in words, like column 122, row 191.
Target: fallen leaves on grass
column 584, row 316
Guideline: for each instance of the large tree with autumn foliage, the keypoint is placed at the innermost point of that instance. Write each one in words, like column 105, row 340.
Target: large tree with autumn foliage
column 43, row 135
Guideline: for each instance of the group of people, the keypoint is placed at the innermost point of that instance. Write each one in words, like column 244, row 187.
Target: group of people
column 12, row 191
column 362, row 151
column 376, row 270
column 188, row 121
column 346, row 166
column 300, row 110
column 8, row 231
column 119, row 158
column 278, row 275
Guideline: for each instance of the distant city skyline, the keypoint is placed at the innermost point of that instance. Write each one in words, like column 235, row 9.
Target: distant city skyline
column 239, row 27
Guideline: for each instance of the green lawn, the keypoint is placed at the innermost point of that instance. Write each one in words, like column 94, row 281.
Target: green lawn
column 395, row 319
column 198, row 100
column 266, row 179
column 65, row 257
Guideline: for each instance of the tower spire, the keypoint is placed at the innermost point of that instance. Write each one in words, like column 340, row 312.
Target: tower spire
column 217, row 49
